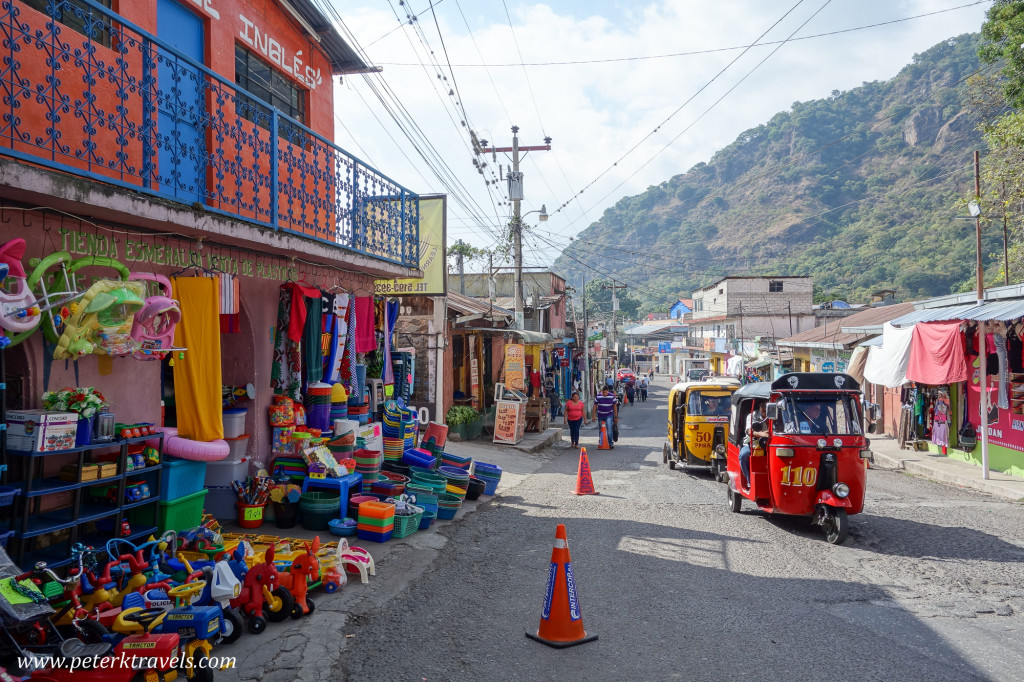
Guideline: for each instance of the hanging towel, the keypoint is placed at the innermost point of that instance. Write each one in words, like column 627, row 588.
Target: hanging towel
column 366, row 338
column 887, row 364
column 313, row 342
column 348, row 371
column 937, row 354
column 197, row 377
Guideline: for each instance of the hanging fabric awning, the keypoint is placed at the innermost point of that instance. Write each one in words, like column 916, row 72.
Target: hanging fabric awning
column 937, row 354
column 887, row 366
column 734, row 365
column 855, row 368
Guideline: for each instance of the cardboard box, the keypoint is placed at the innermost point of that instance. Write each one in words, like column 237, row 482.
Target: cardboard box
column 41, row 430
column 107, row 470
column 90, row 472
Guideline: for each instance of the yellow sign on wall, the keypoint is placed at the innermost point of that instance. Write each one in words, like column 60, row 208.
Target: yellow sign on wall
column 515, row 366
column 433, row 231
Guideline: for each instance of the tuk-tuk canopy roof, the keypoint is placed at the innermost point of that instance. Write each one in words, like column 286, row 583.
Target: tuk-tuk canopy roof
column 797, row 381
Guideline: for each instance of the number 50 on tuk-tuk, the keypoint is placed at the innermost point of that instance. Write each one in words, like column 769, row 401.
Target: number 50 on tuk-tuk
column 698, row 420
column 797, row 446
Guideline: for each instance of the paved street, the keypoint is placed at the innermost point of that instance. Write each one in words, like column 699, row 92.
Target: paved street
column 930, row 584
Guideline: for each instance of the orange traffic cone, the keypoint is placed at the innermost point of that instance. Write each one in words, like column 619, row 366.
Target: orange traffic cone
column 584, row 481
column 603, row 442
column 561, row 622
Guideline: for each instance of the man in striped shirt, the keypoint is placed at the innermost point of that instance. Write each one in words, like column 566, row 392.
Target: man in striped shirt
column 607, row 412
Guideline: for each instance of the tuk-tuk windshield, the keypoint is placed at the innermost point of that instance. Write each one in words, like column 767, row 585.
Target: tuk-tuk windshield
column 708, row 404
column 820, row 414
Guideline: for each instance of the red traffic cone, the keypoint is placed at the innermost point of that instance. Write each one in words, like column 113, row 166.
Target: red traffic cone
column 584, row 481
column 603, row 442
column 561, row 622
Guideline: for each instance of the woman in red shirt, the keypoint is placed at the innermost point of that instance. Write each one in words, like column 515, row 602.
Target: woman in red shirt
column 573, row 415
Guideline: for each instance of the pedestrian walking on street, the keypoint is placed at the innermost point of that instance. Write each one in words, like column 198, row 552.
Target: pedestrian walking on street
column 607, row 413
column 575, row 416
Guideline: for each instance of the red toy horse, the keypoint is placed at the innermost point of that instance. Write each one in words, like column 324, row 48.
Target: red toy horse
column 263, row 585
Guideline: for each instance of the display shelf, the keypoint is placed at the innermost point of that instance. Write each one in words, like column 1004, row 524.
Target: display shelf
column 49, row 486
column 55, row 556
column 109, row 445
column 149, row 500
column 31, row 523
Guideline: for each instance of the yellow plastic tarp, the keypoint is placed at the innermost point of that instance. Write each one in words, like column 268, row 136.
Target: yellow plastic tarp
column 197, row 377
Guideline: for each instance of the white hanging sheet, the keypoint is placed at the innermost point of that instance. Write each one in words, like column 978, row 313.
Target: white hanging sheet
column 887, row 364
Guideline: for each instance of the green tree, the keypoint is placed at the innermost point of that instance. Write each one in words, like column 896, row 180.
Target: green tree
column 599, row 300
column 1002, row 35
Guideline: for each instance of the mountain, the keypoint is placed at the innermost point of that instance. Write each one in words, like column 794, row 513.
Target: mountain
column 858, row 190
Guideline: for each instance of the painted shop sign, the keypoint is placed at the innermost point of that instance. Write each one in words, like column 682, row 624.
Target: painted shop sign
column 140, row 249
column 258, row 39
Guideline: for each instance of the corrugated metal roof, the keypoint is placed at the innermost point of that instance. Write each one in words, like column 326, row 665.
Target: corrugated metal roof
column 473, row 306
column 997, row 310
column 836, row 335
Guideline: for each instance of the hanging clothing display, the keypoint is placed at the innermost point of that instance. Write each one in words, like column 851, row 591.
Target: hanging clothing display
column 1003, row 400
column 937, row 354
column 887, row 364
column 366, row 338
column 339, row 336
column 312, row 341
column 286, row 371
column 941, row 417
column 197, row 376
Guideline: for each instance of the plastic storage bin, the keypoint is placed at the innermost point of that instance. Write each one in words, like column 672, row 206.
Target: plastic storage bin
column 181, row 478
column 220, row 503
column 181, row 514
column 237, row 448
column 220, row 474
column 234, row 422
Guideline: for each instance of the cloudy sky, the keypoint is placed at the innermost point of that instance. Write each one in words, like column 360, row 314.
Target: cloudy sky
column 631, row 92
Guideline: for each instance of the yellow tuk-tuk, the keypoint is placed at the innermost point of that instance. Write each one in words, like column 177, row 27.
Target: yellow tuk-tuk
column 698, row 424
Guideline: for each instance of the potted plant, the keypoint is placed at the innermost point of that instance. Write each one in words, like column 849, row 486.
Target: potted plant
column 86, row 401
column 458, row 420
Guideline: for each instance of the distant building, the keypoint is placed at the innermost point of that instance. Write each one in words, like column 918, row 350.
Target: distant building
column 680, row 308
column 735, row 310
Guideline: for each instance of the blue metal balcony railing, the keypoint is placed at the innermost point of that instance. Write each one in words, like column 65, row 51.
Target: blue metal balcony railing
column 115, row 104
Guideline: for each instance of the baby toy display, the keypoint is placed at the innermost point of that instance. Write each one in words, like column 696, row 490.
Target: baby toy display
column 180, row 595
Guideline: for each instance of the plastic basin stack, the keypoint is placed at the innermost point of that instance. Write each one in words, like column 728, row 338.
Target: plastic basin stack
column 448, row 459
column 490, row 474
column 376, row 521
column 368, row 464
column 447, row 506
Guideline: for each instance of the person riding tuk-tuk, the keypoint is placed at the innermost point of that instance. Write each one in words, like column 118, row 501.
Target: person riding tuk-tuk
column 797, row 446
column 698, row 421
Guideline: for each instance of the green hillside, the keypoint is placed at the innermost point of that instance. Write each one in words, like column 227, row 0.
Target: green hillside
column 858, row 190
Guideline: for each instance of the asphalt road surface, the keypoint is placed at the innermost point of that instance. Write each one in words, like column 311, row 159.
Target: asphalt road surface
column 929, row 585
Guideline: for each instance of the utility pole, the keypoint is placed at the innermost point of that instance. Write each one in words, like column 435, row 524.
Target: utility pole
column 490, row 286
column 462, row 274
column 983, row 396
column 743, row 360
column 515, row 187
column 789, row 310
column 586, row 349
column 615, row 308
column 1006, row 253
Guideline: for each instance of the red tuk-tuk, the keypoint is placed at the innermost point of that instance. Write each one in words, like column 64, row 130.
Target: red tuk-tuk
column 810, row 455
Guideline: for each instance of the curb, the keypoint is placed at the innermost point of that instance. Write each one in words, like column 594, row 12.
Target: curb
column 554, row 436
column 923, row 469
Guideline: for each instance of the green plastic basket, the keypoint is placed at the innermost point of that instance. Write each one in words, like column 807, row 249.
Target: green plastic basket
column 407, row 525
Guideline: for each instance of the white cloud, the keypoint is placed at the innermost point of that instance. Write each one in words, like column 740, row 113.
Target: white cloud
column 596, row 112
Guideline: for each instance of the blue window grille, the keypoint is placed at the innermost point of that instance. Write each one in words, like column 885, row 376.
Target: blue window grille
column 85, row 101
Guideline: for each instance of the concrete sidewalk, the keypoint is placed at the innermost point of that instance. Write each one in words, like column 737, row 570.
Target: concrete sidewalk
column 945, row 469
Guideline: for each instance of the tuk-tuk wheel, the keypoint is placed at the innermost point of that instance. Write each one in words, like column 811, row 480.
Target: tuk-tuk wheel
column 671, row 464
column 735, row 500
column 836, row 526
column 664, row 453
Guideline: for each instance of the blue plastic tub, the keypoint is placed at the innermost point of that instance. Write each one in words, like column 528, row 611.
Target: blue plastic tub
column 427, row 519
column 446, row 514
column 374, row 537
column 181, row 478
column 416, row 459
